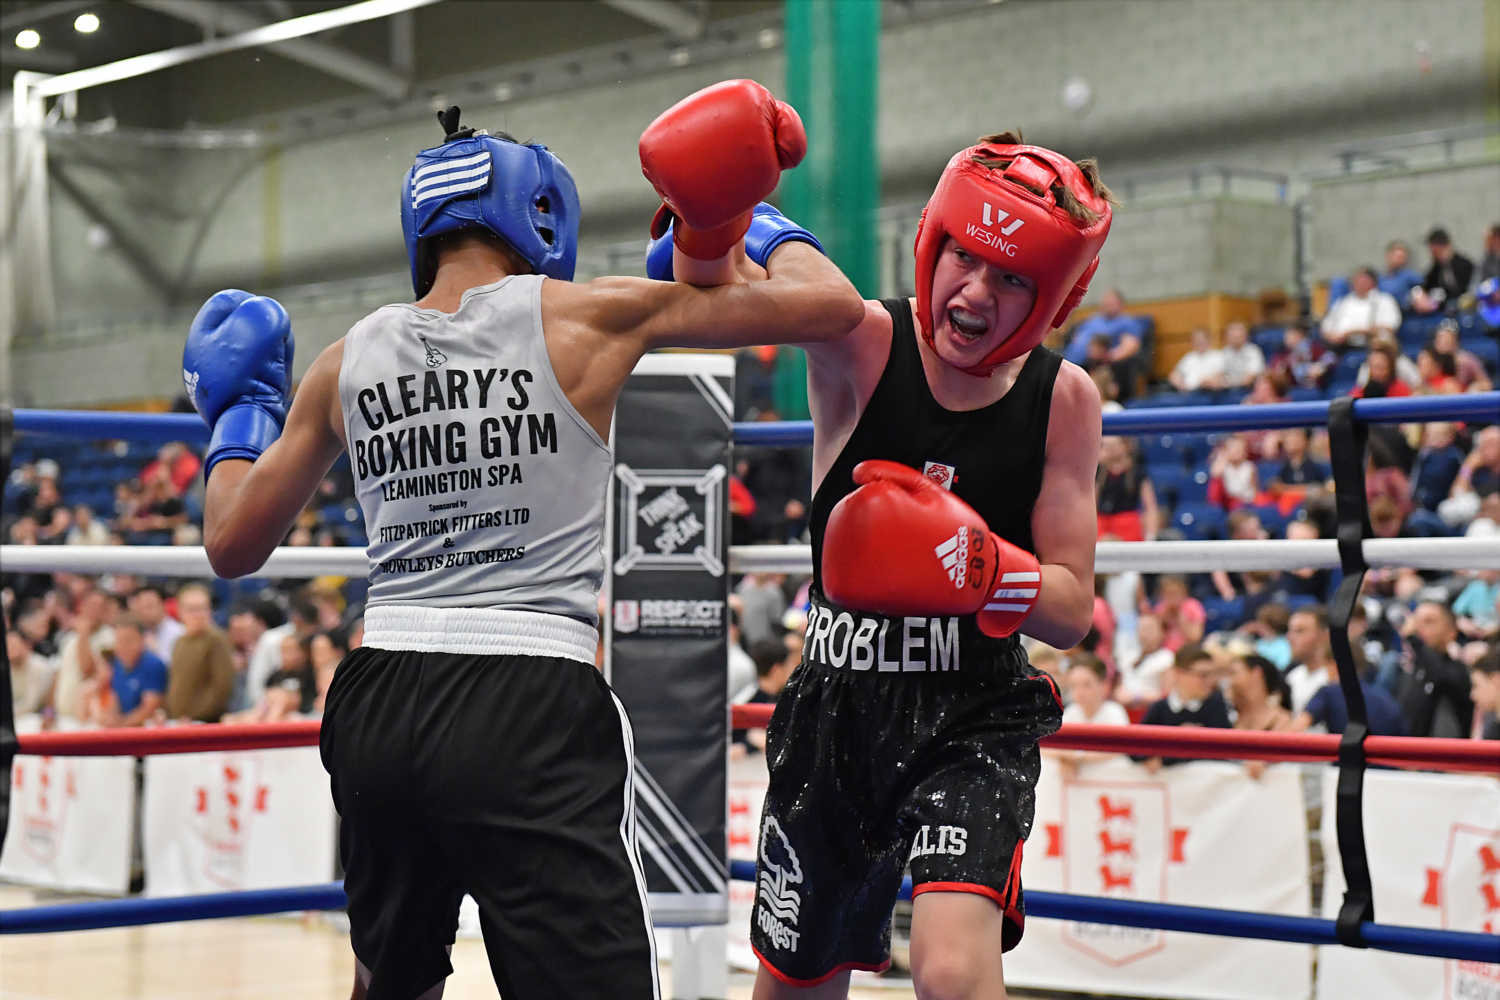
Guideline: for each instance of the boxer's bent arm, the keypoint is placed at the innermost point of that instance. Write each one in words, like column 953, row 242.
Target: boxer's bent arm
column 1064, row 520
column 250, row 506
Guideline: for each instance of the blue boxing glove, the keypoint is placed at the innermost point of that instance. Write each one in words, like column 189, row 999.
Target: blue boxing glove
column 768, row 230
column 237, row 370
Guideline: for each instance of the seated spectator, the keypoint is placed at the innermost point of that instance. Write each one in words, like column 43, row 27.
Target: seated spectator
column 1438, row 373
column 1259, row 695
column 1448, row 277
column 280, row 702
column 326, row 650
column 1243, row 526
column 1109, row 389
column 1305, row 581
column 774, row 664
column 179, row 463
column 1436, row 466
column 1125, row 499
column 158, row 512
column 1193, row 701
column 202, row 671
column 1269, row 632
column 1307, row 637
column 302, row 621
column 1233, row 476
column 138, row 677
column 1477, row 606
column 1433, row 688
column 1182, row 617
column 149, row 605
column 1202, row 367
column 30, row 674
column 1242, row 361
column 48, row 510
column 1399, row 279
column 1145, row 678
column 1382, row 380
column 1097, row 355
column 296, row 663
column 1327, row 708
column 1089, row 702
column 1489, row 267
column 1484, row 690
column 1302, row 360
column 86, row 530
column 247, row 623
column 1469, row 370
column 1049, row 661
column 1363, row 314
column 1297, row 469
column 1123, row 351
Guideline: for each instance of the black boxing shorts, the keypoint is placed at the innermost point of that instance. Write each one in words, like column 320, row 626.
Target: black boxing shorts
column 509, row 778
column 902, row 757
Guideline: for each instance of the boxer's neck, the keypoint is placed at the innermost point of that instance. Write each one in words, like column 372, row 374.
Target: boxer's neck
column 957, row 390
column 470, row 263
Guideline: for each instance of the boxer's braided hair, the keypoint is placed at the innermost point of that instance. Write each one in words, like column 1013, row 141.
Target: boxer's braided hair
column 1066, row 199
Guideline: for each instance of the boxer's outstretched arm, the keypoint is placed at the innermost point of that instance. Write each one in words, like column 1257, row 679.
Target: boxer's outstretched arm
column 250, row 506
column 1064, row 521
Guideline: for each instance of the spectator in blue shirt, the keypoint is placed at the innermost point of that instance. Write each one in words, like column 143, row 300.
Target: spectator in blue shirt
column 139, row 676
column 1436, row 466
column 1329, row 708
column 1399, row 279
column 1123, row 333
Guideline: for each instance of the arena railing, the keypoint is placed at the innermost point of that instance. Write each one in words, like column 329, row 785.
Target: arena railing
column 1347, row 421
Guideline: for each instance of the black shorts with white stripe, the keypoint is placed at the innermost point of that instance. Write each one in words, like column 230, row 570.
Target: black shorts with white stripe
column 509, row 778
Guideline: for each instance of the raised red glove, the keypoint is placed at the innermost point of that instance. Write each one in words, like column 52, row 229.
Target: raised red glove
column 902, row 545
column 715, row 155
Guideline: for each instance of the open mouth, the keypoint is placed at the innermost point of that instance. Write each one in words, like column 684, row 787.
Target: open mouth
column 968, row 325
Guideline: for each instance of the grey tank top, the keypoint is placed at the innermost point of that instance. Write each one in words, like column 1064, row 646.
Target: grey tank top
column 481, row 485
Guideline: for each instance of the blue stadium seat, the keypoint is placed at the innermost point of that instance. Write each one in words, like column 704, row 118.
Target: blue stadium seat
column 1196, row 448
column 1198, row 521
column 1161, row 449
column 1268, row 338
column 1194, row 488
column 1301, row 395
column 1484, row 349
column 1340, row 389
column 1350, row 364
column 1272, row 519
column 1266, row 471
column 1418, row 330
column 1223, row 615
column 1167, row 481
column 1295, row 601
column 1337, row 288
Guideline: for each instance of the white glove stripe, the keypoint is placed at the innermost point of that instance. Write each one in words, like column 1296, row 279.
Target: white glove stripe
column 1007, row 607
column 1021, row 578
column 1015, row 593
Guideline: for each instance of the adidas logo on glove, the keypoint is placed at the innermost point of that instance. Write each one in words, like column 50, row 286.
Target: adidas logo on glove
column 954, row 555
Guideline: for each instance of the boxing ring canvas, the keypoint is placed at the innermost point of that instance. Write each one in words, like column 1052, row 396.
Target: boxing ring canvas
column 667, row 626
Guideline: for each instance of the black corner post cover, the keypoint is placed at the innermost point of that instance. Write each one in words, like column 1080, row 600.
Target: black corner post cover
column 1347, row 441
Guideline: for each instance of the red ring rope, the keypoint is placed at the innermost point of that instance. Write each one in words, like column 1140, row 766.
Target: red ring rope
column 1162, row 741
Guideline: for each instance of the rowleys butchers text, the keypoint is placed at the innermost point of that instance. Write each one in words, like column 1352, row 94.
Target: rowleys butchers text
column 402, row 452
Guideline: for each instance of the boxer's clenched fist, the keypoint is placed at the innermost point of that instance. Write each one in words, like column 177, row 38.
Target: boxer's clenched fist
column 713, row 156
column 903, row 545
column 237, row 370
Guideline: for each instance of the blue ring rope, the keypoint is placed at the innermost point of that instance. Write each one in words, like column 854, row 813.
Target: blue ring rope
column 1483, row 407
column 1460, row 945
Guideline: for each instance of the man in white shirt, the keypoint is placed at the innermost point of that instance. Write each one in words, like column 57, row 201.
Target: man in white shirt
column 1366, row 312
column 1242, row 361
column 161, row 629
column 1200, row 368
column 1307, row 635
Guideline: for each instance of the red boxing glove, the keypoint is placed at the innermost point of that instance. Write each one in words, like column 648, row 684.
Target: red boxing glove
column 714, row 156
column 902, row 545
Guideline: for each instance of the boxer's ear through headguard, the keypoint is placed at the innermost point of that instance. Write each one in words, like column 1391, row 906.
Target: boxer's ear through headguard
column 1027, row 210
column 519, row 192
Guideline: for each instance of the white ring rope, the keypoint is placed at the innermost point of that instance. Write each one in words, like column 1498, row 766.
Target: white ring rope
column 1112, row 557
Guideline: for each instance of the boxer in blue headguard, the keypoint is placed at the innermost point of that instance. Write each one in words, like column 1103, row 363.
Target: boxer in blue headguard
column 473, row 746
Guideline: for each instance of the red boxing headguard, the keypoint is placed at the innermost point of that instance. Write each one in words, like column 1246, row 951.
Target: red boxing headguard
column 995, row 214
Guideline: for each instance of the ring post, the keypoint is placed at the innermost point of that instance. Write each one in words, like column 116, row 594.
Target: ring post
column 1347, row 441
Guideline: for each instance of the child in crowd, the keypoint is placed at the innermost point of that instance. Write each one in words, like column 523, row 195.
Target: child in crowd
column 1049, row 661
column 1193, row 701
column 774, row 663
column 1088, row 689
column 1182, row 617
column 1297, row 469
column 1144, row 679
column 1234, row 478
column 1436, row 465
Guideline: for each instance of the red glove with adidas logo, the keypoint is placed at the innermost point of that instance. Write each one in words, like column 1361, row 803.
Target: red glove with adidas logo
column 902, row 545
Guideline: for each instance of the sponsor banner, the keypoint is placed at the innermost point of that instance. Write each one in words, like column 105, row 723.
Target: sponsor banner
column 1433, row 841
column 71, row 820
column 666, row 630
column 1201, row 834
column 224, row 821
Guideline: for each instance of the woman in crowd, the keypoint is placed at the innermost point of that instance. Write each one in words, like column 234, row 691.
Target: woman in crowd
column 1383, row 380
column 1126, row 500
column 1468, row 369
column 1260, row 697
column 1439, row 373
column 326, row 650
column 1181, row 615
column 290, row 692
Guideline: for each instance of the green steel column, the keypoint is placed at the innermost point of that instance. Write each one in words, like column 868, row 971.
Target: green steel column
column 832, row 79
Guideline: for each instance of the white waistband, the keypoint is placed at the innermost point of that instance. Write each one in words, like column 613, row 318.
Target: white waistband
column 486, row 631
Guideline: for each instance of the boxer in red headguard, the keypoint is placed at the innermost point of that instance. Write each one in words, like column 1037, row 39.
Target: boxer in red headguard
column 954, row 461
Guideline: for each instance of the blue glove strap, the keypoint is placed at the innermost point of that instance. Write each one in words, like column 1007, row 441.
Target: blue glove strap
column 242, row 431
column 768, row 230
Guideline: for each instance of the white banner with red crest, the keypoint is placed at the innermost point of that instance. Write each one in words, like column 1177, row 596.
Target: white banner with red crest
column 1433, row 841
column 223, row 821
column 1200, row 834
column 71, row 820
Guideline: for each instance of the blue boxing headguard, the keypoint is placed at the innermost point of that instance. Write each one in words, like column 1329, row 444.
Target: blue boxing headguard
column 520, row 192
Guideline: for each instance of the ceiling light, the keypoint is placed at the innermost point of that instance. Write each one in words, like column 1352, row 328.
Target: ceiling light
column 28, row 39
column 86, row 23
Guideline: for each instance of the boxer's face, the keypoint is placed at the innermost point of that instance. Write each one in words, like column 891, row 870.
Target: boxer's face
column 975, row 305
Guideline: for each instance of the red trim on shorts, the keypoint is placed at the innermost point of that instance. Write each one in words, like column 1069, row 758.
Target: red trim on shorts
column 1013, row 889
column 974, row 887
column 1056, row 694
column 805, row 983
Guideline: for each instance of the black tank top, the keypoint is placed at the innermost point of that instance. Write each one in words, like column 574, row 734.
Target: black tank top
column 1118, row 492
column 994, row 456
